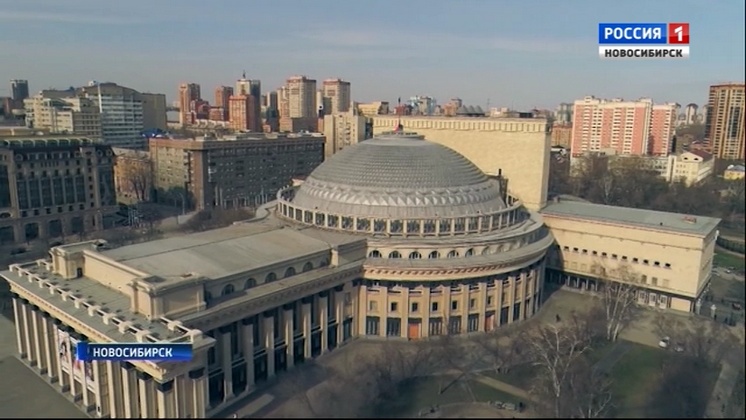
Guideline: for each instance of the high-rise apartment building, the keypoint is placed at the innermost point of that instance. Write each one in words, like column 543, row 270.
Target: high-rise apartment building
column 251, row 88
column 188, row 92
column 563, row 114
column 301, row 97
column 340, row 97
column 323, row 104
column 154, row 111
column 562, row 134
column 622, row 127
column 724, row 126
column 342, row 130
column 121, row 113
column 54, row 186
column 242, row 111
column 690, row 114
column 235, row 171
column 222, row 96
column 19, row 90
column 270, row 112
column 63, row 115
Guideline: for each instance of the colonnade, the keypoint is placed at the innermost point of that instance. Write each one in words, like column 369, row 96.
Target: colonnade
column 462, row 306
column 256, row 348
column 103, row 389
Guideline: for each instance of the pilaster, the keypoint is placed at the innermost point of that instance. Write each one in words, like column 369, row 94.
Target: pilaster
column 166, row 399
column 226, row 359
column 289, row 336
column 20, row 333
column 306, row 317
column 324, row 321
column 269, row 342
column 31, row 355
column 49, row 344
column 130, row 393
column 199, row 390
column 146, row 390
column 247, row 335
column 114, row 377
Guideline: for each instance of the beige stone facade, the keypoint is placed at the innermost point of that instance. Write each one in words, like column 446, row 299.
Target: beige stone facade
column 668, row 255
column 519, row 147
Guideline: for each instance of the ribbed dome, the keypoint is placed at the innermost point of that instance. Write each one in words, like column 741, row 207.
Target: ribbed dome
column 399, row 175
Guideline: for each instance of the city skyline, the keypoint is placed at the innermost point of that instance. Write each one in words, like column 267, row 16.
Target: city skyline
column 477, row 51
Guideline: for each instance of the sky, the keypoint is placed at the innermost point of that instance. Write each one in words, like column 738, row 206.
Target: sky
column 520, row 54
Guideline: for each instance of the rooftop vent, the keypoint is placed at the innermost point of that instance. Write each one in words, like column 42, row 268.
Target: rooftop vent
column 690, row 219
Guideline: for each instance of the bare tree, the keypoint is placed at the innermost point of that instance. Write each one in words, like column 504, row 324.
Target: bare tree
column 554, row 349
column 707, row 342
column 135, row 173
column 590, row 391
column 618, row 298
column 450, row 354
column 501, row 349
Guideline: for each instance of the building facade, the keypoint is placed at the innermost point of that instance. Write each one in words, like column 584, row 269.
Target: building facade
column 734, row 173
column 242, row 110
column 724, row 126
column 67, row 115
column 627, row 127
column 372, row 109
column 562, row 135
column 188, row 92
column 222, row 96
column 232, row 171
column 517, row 147
column 340, row 96
column 668, row 256
column 53, row 187
column 154, row 111
column 121, row 113
column 394, row 237
column 342, row 130
column 19, row 90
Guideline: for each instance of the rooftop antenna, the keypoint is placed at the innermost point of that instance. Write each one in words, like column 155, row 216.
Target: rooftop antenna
column 399, row 110
column 244, row 75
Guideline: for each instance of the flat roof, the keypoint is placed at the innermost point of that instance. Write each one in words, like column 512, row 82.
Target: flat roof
column 648, row 219
column 221, row 252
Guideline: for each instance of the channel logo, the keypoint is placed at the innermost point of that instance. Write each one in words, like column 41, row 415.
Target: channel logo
column 643, row 40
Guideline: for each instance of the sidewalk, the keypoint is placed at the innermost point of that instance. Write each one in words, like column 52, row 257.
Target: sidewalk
column 504, row 387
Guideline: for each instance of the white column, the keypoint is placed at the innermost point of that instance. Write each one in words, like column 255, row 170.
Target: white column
column 26, row 317
column 269, row 344
column 524, row 293
column 404, row 310
column 426, row 307
column 248, row 351
column 199, row 390
column 145, row 387
column 324, row 322
column 465, row 307
column 37, row 339
column 64, row 380
column 482, row 305
column 361, row 310
column 131, row 396
column 49, row 345
column 339, row 303
column 97, row 386
column 116, row 399
column 289, row 343
column 166, row 400
column 306, row 317
column 74, row 385
column 20, row 333
column 183, row 396
column 84, row 388
column 227, row 362
column 512, row 294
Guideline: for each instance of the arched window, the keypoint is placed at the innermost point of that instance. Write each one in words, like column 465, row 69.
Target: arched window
column 249, row 284
column 469, row 252
column 453, row 254
column 228, row 290
column 486, row 250
column 289, row 272
column 307, row 266
column 374, row 254
column 395, row 254
column 270, row 278
column 434, row 255
column 415, row 255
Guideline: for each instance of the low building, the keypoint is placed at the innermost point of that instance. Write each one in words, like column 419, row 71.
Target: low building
column 690, row 167
column 562, row 135
column 371, row 109
column 154, row 111
column 734, row 173
column 133, row 175
column 69, row 115
column 231, row 171
column 669, row 256
column 53, row 187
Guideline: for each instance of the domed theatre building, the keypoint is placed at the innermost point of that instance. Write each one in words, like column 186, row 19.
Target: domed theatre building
column 394, row 237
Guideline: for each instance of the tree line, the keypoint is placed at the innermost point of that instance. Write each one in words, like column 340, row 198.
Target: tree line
column 629, row 183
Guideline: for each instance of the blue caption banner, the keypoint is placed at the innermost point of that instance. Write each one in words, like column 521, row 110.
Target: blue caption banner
column 632, row 33
column 88, row 352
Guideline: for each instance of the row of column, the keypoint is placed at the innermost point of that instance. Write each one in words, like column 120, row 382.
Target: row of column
column 111, row 389
column 269, row 342
column 524, row 290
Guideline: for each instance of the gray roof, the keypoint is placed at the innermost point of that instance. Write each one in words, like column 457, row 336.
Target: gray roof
column 399, row 175
column 218, row 254
column 649, row 219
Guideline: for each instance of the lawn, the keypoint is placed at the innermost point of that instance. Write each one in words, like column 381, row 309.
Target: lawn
column 736, row 401
column 730, row 290
column 724, row 259
column 636, row 377
column 422, row 393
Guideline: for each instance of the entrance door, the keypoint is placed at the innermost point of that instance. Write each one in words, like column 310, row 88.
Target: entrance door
column 489, row 322
column 414, row 331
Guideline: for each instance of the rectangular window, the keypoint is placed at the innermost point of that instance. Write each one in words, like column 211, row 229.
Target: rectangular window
column 434, row 306
column 394, row 306
column 415, row 307
column 454, row 305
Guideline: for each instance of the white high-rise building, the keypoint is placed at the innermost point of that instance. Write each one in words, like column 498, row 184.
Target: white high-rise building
column 339, row 96
column 121, row 113
column 301, row 94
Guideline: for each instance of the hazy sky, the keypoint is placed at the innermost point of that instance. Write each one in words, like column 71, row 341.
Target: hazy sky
column 512, row 53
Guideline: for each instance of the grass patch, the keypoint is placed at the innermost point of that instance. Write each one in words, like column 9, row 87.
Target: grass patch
column 599, row 351
column 422, row 393
column 730, row 290
column 736, row 406
column 637, row 376
column 723, row 259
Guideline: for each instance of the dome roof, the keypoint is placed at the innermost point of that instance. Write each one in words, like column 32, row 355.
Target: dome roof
column 402, row 176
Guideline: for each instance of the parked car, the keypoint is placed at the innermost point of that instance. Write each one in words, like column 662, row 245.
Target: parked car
column 664, row 343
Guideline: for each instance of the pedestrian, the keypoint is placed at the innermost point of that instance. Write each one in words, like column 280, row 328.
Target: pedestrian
column 557, row 317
